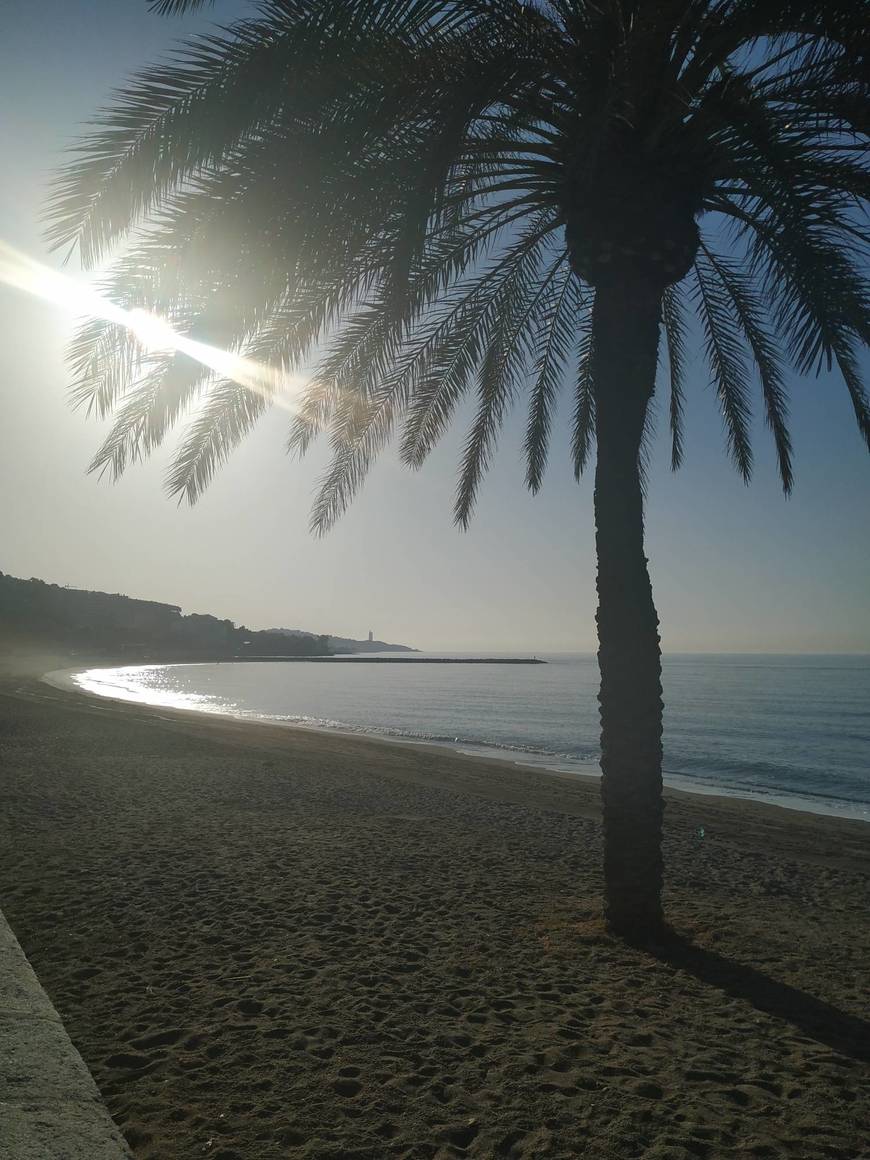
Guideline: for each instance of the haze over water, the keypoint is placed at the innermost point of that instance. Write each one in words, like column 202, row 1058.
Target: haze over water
column 794, row 730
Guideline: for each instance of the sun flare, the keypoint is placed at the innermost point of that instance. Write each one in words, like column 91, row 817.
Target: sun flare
column 78, row 298
column 154, row 333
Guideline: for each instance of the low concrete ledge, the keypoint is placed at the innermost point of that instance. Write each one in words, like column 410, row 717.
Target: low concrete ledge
column 50, row 1108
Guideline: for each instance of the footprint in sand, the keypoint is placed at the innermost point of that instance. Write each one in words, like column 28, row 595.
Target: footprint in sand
column 347, row 1087
column 157, row 1039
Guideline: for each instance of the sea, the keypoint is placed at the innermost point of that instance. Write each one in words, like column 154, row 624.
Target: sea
column 791, row 730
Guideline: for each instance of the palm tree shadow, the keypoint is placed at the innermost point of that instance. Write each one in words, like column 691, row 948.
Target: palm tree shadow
column 844, row 1033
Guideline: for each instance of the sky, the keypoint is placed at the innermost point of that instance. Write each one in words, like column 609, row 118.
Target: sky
column 734, row 568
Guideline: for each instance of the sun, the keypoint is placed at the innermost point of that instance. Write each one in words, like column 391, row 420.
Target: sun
column 154, row 333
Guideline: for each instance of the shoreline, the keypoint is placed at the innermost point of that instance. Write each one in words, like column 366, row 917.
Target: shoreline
column 62, row 679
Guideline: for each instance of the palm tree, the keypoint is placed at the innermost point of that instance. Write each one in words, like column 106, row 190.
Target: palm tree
column 434, row 202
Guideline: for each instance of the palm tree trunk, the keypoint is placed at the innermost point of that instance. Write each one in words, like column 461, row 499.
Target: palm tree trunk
column 625, row 347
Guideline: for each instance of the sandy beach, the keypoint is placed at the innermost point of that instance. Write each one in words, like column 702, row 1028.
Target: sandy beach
column 269, row 942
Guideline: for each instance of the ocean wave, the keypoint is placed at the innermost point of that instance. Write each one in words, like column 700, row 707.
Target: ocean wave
column 760, row 789
column 583, row 754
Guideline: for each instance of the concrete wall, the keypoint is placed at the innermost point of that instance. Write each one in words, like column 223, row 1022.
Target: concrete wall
column 50, row 1108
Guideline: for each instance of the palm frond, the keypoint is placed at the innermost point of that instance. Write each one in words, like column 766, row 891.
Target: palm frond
column 727, row 361
column 371, row 425
column 583, row 432
column 203, row 102
column 227, row 416
column 747, row 308
column 555, row 343
column 673, row 317
column 418, row 374
column 104, row 358
column 845, row 352
column 148, row 410
column 439, row 369
column 504, row 365
column 177, row 7
column 373, row 338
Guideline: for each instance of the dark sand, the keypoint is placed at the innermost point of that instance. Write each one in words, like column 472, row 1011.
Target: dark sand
column 273, row 943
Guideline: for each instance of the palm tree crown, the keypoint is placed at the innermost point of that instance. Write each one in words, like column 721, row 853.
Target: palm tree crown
column 425, row 197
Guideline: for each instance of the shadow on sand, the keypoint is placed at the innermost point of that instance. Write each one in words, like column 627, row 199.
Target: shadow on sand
column 847, row 1034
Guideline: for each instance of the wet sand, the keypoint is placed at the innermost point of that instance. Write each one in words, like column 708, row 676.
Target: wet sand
column 271, row 943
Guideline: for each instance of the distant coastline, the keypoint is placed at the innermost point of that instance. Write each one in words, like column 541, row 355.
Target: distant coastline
column 339, row 658
column 34, row 612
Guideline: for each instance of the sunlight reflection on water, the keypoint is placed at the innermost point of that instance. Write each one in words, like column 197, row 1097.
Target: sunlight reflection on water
column 127, row 684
